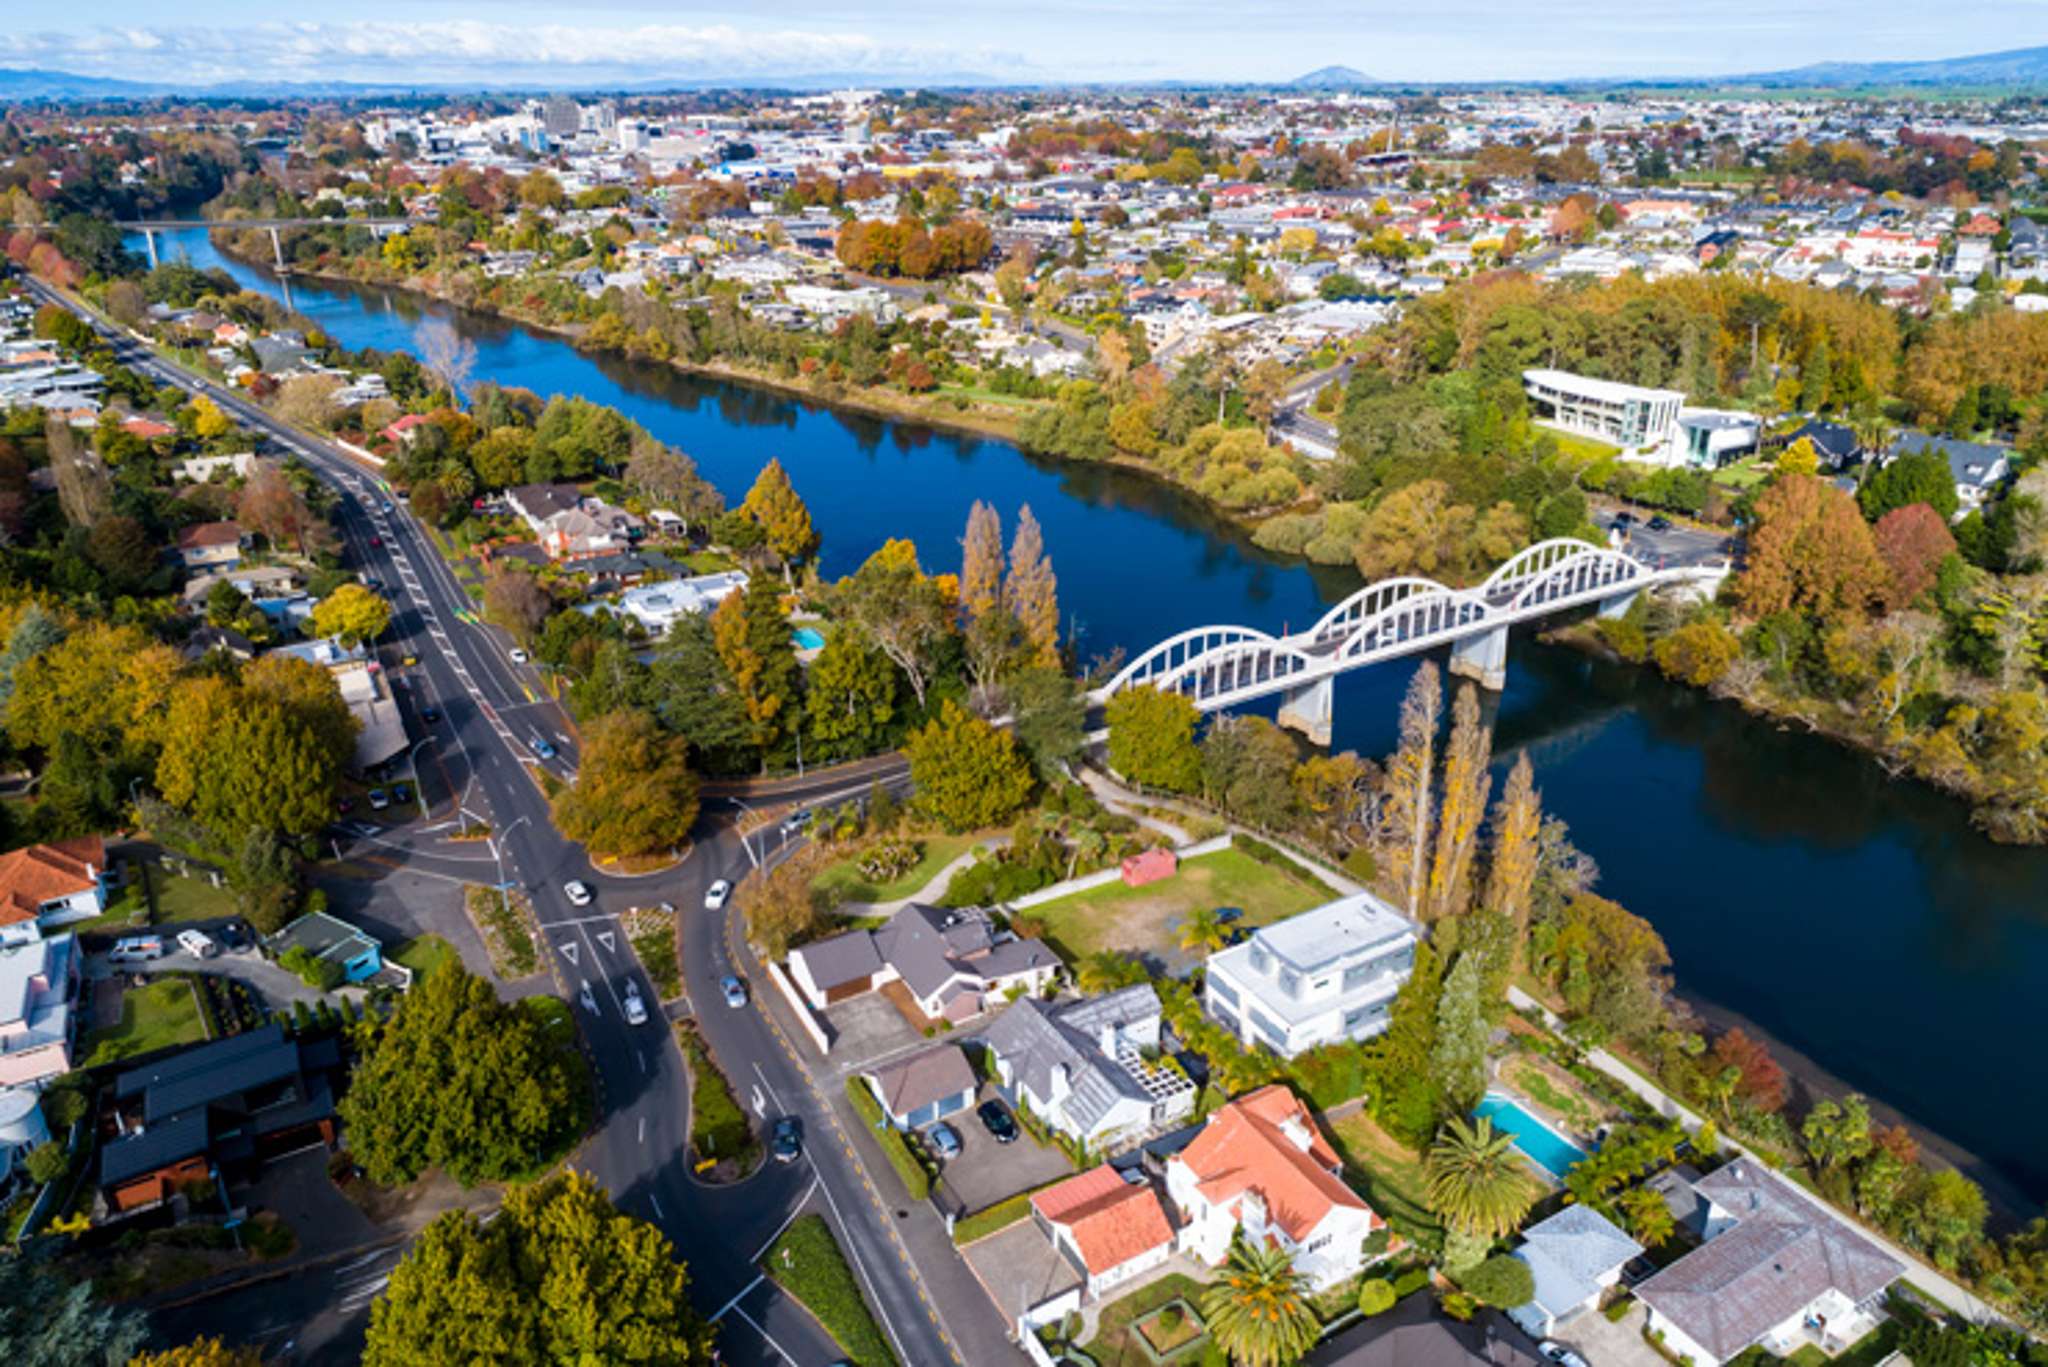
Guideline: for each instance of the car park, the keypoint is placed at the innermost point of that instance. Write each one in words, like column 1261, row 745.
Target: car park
column 630, row 1003
column 735, row 991
column 578, row 892
column 197, row 943
column 943, row 1140
column 788, row 1142
column 997, row 1121
column 715, row 895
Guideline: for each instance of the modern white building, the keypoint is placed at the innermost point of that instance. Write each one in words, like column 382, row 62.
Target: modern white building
column 1326, row 975
column 1625, row 415
column 661, row 605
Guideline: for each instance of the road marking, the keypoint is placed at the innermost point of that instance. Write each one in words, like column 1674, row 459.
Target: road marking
column 643, row 1129
column 783, row 1228
column 609, row 940
column 766, row 1083
column 655, row 1201
column 570, row 949
column 744, row 1291
column 643, row 1060
column 766, row 1335
column 760, row 1104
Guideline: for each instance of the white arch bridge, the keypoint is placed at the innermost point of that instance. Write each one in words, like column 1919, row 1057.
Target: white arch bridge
column 1220, row 667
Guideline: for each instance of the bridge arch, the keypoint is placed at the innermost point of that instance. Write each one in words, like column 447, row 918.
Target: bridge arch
column 1416, row 622
column 1574, row 576
column 1534, row 560
column 1171, row 655
column 1369, row 602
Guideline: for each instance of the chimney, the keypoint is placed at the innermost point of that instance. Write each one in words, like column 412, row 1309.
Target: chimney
column 1062, row 1083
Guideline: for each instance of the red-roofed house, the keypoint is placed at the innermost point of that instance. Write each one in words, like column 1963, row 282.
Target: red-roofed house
column 401, row 432
column 149, row 429
column 211, row 545
column 46, row 886
column 1261, row 1163
column 1109, row 1229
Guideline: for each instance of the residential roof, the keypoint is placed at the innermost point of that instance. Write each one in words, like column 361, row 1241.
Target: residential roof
column 928, row 946
column 1416, row 1334
column 839, row 960
column 1970, row 462
column 320, row 935
column 1784, row 1251
column 210, row 534
column 1266, row 1142
column 1568, row 1255
column 35, row 993
column 926, row 1076
column 1034, row 1039
column 1112, row 1221
column 43, row 873
column 1334, row 930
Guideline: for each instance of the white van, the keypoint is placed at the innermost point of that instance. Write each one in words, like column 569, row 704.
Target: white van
column 136, row 949
column 197, row 943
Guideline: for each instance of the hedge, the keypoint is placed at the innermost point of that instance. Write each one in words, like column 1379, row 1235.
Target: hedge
column 987, row 1221
column 1411, row 1281
column 895, row 1147
column 807, row 1263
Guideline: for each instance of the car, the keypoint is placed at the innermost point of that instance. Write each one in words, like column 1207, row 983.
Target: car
column 630, row 1003
column 943, row 1140
column 379, row 799
column 519, row 657
column 735, row 991
column 578, row 892
column 1660, row 523
column 389, row 506
column 234, row 936
column 376, row 541
column 587, row 997
column 715, row 895
column 197, row 943
column 787, row 1143
column 408, row 660
column 1226, row 915
column 1622, row 519
column 1559, row 1354
column 136, row 949
column 401, row 794
column 430, row 714
column 542, row 748
column 794, row 823
column 344, row 805
column 997, row 1121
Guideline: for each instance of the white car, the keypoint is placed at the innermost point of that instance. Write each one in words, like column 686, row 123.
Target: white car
column 578, row 892
column 519, row 657
column 1560, row 1354
column 630, row 1003
column 715, row 895
column 197, row 943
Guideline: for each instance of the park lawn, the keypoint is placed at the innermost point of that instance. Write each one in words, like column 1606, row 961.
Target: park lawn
column 1144, row 919
column 1743, row 474
column 424, row 954
column 844, row 882
column 155, row 1016
column 806, row 1262
column 1116, row 1340
column 188, row 899
column 1580, row 450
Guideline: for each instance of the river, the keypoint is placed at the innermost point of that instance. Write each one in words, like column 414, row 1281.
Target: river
column 1860, row 923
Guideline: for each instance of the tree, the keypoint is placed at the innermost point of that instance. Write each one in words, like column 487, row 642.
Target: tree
column 1511, row 877
column 668, row 478
column 1698, row 653
column 850, row 695
column 1943, row 1213
column 353, row 613
column 634, row 793
column 101, row 686
column 1457, row 1062
column 1837, row 1133
column 1811, row 552
column 270, row 504
column 1106, row 970
column 981, row 562
column 690, row 689
column 207, row 1352
column 1202, row 931
column 121, row 549
column 1473, row 1178
column 1152, row 738
column 1502, row 1280
column 1033, row 590
column 1258, row 1309
column 1049, row 718
column 1376, row 1296
column 785, row 522
column 47, row 1162
column 83, row 486
column 1913, row 542
column 1462, row 809
column 446, row 354
column 780, row 908
column 459, row 1080
column 1410, row 776
column 1758, row 1078
column 558, row 1275
column 1648, row 1217
column 515, row 599
column 48, row 1320
column 1800, row 458
column 1921, row 475
column 208, row 422
column 968, row 774
column 904, row 613
column 240, row 758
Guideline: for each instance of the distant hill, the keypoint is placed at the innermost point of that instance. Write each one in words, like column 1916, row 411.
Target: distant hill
column 27, row 83
column 1332, row 78
column 2017, row 66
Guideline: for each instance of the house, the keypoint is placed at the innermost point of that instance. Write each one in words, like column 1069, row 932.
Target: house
column 1109, row 1229
column 1572, row 1257
column 1976, row 467
column 536, row 503
column 211, row 546
column 38, row 983
column 217, row 1110
column 46, row 886
column 926, row 1087
column 1416, row 1333
column 403, row 431
column 380, row 726
column 1082, row 1067
column 1778, row 1268
column 1262, row 1165
column 1327, row 974
column 331, row 940
column 1835, row 443
column 660, row 606
column 1149, row 866
column 954, row 963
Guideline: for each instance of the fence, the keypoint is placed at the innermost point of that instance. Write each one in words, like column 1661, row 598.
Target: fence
column 804, row 1015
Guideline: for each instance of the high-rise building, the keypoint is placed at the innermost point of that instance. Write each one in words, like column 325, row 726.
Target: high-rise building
column 563, row 117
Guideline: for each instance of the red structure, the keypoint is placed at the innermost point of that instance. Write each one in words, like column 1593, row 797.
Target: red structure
column 1149, row 867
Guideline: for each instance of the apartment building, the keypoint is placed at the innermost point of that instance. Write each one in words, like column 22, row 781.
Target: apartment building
column 1328, row 974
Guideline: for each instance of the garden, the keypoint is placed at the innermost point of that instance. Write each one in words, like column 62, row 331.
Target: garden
column 880, row 872
column 652, row 932
column 158, row 1015
column 505, row 921
column 1156, row 1323
column 722, row 1139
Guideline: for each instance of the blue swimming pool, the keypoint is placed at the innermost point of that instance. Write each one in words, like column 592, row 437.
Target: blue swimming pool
column 1545, row 1147
column 807, row 638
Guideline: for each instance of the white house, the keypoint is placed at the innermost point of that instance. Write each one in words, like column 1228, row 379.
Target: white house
column 47, row 886
column 955, row 963
column 1261, row 1164
column 1572, row 1257
column 1109, row 1229
column 1778, row 1268
column 1082, row 1067
column 924, row 1087
column 1325, row 975
column 1637, row 419
column 661, row 605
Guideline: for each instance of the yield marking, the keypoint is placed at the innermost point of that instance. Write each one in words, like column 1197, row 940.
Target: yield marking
column 570, row 949
column 608, row 940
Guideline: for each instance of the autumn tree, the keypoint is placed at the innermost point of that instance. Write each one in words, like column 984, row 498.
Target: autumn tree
column 668, row 478
column 981, row 561
column 240, row 760
column 1033, row 591
column 1152, row 738
column 780, row 907
column 83, row 486
column 751, row 633
column 773, row 505
column 1411, row 776
column 1759, row 1079
column 352, row 613
column 515, row 599
column 1913, row 541
column 1511, row 874
column 968, row 773
column 1463, row 807
column 849, row 695
column 204, row 1352
column 905, row 613
column 1811, row 552
column 634, row 793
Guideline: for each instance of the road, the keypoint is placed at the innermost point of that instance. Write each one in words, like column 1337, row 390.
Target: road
column 490, row 709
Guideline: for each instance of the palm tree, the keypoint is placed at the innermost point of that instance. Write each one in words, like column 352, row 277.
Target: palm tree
column 1201, row 929
column 1258, row 1308
column 1474, row 1178
column 1106, row 970
column 1649, row 1219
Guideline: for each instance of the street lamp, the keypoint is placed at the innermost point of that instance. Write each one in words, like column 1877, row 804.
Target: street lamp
column 498, row 857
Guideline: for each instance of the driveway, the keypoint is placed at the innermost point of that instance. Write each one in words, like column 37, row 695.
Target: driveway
column 274, row 986
column 985, row 1172
column 1598, row 1340
column 1019, row 1268
column 867, row 1030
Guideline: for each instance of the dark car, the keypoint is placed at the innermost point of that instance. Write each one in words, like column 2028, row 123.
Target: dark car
column 1623, row 519
column 1225, row 915
column 788, row 1142
column 997, row 1122
column 401, row 794
column 1660, row 523
column 430, row 714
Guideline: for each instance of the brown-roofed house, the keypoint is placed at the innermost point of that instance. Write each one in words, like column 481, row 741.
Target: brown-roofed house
column 211, row 545
column 925, row 1087
column 45, row 886
column 1110, row 1229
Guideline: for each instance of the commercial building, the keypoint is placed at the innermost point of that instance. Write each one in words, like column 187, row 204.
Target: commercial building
column 1326, row 975
column 1625, row 415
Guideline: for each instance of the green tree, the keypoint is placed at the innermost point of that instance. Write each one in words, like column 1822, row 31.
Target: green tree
column 353, row 613
column 1473, row 1180
column 47, row 1162
column 240, row 759
column 1837, row 1133
column 1457, row 1062
column 850, row 695
column 206, row 1352
column 774, row 506
column 1648, row 1218
column 968, row 774
column 691, row 690
column 1152, row 738
column 751, row 632
column 902, row 611
column 457, row 1079
column 1917, row 476
column 1502, row 1280
column 559, row 1275
column 634, row 793
column 1049, row 718
column 1258, row 1309
column 48, row 1320
column 1943, row 1213
column 1201, row 931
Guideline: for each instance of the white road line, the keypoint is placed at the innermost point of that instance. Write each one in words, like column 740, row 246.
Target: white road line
column 655, row 1201
column 860, row 1263
column 769, row 1085
column 643, row 1129
column 782, row 1228
column 744, row 1292
column 766, row 1335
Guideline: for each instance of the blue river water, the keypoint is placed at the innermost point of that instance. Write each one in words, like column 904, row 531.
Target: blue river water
column 1859, row 923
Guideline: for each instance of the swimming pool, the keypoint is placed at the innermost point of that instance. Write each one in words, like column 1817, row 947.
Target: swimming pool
column 807, row 638
column 1545, row 1147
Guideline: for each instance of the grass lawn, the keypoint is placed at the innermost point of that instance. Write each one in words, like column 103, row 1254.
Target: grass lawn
column 1579, row 449
column 843, row 879
column 153, row 1017
column 188, row 899
column 423, row 954
column 1382, row 1168
column 1557, row 1093
column 1144, row 919
column 1744, row 474
column 1116, row 1340
column 806, row 1262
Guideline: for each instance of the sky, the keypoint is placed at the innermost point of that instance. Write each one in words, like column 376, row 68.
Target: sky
column 549, row 42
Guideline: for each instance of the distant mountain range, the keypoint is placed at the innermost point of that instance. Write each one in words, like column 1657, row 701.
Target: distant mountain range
column 1332, row 78
column 2024, row 65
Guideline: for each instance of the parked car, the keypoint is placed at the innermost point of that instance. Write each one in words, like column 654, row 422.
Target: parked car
column 1559, row 1354
column 402, row 794
column 519, row 657
column 235, row 936
column 715, row 895
column 997, row 1121
column 430, row 714
column 794, row 823
column 787, row 1144
column 344, row 805
column 136, row 949
column 1660, row 523
column 197, row 943
column 578, row 892
column 587, row 997
column 1225, row 915
column 630, row 1003
column 1622, row 519
column 735, row 991
column 943, row 1140
column 379, row 799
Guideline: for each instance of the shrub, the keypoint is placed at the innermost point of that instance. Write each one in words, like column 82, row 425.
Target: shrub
column 1361, row 865
column 895, row 1147
column 888, row 860
column 985, row 1222
column 718, row 1127
column 48, row 1162
column 1698, row 653
column 1375, row 1296
column 1460, row 1306
column 1502, row 1280
column 1411, row 1281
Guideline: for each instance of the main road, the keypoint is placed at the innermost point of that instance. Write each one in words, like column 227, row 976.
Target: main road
column 491, row 710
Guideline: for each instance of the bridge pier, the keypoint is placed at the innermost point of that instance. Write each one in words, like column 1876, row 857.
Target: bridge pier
column 277, row 248
column 149, row 243
column 1483, row 658
column 1311, row 708
column 1619, row 604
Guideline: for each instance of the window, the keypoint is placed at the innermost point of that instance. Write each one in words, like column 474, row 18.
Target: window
column 1272, row 1033
column 1227, row 1020
column 1357, row 976
column 1262, row 959
column 1221, row 990
column 1290, row 983
column 1364, row 1018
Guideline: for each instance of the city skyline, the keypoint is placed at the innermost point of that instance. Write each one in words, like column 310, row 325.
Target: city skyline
column 637, row 42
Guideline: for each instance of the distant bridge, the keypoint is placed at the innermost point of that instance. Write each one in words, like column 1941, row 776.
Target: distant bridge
column 150, row 227
column 1219, row 667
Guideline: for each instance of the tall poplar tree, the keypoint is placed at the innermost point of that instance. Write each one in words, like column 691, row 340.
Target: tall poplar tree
column 1466, row 782
column 1411, row 773
column 981, row 562
column 1033, row 592
column 1457, row 1057
column 1517, row 822
column 784, row 520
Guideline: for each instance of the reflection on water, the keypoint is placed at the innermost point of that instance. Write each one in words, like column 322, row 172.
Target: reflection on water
column 1858, row 919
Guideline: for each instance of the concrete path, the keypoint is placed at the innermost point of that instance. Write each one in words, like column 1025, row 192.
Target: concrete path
column 934, row 888
column 1109, row 792
column 1126, row 804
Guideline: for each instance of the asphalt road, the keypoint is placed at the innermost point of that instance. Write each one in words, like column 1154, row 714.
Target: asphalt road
column 491, row 709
